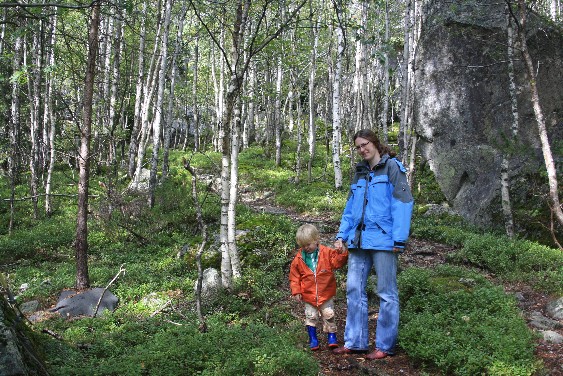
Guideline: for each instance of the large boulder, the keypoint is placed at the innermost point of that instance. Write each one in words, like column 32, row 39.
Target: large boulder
column 462, row 108
column 92, row 302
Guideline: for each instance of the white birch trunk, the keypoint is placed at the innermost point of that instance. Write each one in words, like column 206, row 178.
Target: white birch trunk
column 133, row 143
column 538, row 112
column 48, row 117
column 505, row 167
column 171, row 98
column 312, row 126
column 277, row 112
column 385, row 132
column 159, row 108
column 194, row 97
column 34, row 85
column 248, row 127
column 13, row 158
column 336, row 129
column 149, row 89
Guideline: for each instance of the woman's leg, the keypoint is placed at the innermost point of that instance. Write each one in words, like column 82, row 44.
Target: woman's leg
column 356, row 332
column 388, row 320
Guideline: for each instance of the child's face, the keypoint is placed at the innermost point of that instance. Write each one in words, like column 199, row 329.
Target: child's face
column 310, row 247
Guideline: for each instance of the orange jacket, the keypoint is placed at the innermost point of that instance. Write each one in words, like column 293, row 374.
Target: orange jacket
column 316, row 288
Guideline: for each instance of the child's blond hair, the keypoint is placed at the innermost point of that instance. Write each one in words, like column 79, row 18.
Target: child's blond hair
column 307, row 234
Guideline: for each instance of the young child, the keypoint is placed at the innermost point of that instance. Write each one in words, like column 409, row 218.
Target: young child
column 312, row 282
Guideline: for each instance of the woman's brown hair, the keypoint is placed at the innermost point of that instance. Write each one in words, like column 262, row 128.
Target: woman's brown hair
column 370, row 135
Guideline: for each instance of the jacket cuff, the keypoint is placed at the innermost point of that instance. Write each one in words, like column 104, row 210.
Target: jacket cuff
column 400, row 244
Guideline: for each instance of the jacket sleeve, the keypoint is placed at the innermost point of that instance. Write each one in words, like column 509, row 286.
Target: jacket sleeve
column 338, row 260
column 295, row 277
column 346, row 220
column 402, row 203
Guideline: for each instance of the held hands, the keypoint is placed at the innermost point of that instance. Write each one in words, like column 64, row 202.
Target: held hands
column 297, row 297
column 338, row 245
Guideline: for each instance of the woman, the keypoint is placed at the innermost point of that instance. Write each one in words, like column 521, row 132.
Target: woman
column 375, row 226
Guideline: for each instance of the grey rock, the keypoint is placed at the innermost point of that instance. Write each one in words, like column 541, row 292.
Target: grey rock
column 462, row 102
column 29, row 307
column 74, row 304
column 211, row 282
column 539, row 321
column 555, row 309
column 552, row 337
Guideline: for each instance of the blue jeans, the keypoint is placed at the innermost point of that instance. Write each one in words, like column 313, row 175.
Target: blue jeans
column 356, row 334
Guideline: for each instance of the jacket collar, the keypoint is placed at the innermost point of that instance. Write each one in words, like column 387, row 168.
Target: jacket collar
column 363, row 166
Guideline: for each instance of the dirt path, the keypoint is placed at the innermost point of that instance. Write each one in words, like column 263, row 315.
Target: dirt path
column 419, row 253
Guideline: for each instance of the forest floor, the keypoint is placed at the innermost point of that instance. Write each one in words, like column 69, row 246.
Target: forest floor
column 419, row 253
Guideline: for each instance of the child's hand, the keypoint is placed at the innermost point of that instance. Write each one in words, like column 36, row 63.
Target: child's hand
column 338, row 245
column 296, row 297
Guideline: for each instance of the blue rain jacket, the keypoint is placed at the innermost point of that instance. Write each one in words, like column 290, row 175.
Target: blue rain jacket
column 378, row 212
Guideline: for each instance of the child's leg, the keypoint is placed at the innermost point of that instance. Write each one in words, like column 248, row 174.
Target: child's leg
column 329, row 322
column 311, row 315
column 311, row 318
column 327, row 314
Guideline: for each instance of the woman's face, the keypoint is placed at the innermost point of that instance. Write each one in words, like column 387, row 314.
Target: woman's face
column 366, row 149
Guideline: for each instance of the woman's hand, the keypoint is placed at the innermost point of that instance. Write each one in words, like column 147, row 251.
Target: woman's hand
column 297, row 297
column 338, row 244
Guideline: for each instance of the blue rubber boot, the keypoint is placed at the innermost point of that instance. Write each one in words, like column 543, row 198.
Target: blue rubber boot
column 313, row 341
column 332, row 342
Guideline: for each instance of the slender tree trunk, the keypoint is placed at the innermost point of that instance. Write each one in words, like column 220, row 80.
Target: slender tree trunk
column 49, row 119
column 133, row 143
column 384, row 112
column 81, row 241
column 336, row 128
column 170, row 110
column 542, row 130
column 299, row 137
column 34, row 93
column 194, row 96
column 277, row 112
column 156, row 128
column 13, row 159
column 312, row 111
column 505, row 167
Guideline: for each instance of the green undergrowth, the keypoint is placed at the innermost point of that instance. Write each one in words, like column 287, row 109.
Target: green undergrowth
column 453, row 320
column 457, row 322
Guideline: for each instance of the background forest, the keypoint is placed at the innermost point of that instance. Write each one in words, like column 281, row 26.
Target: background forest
column 132, row 131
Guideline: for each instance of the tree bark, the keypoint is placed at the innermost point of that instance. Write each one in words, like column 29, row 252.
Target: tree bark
column 133, row 143
column 385, row 131
column 49, row 120
column 336, row 128
column 13, row 158
column 312, row 111
column 538, row 112
column 81, row 241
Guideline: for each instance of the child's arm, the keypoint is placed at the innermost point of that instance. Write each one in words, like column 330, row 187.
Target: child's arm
column 295, row 281
column 338, row 257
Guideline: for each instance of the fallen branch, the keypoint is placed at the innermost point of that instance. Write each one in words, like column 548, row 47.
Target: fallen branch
column 121, row 270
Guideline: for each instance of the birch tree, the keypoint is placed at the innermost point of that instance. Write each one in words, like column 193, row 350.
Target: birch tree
column 504, row 170
column 385, row 111
column 312, row 131
column 137, row 118
column 159, row 109
column 48, row 119
column 538, row 112
column 34, row 88
column 14, row 125
column 336, row 128
column 237, row 64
